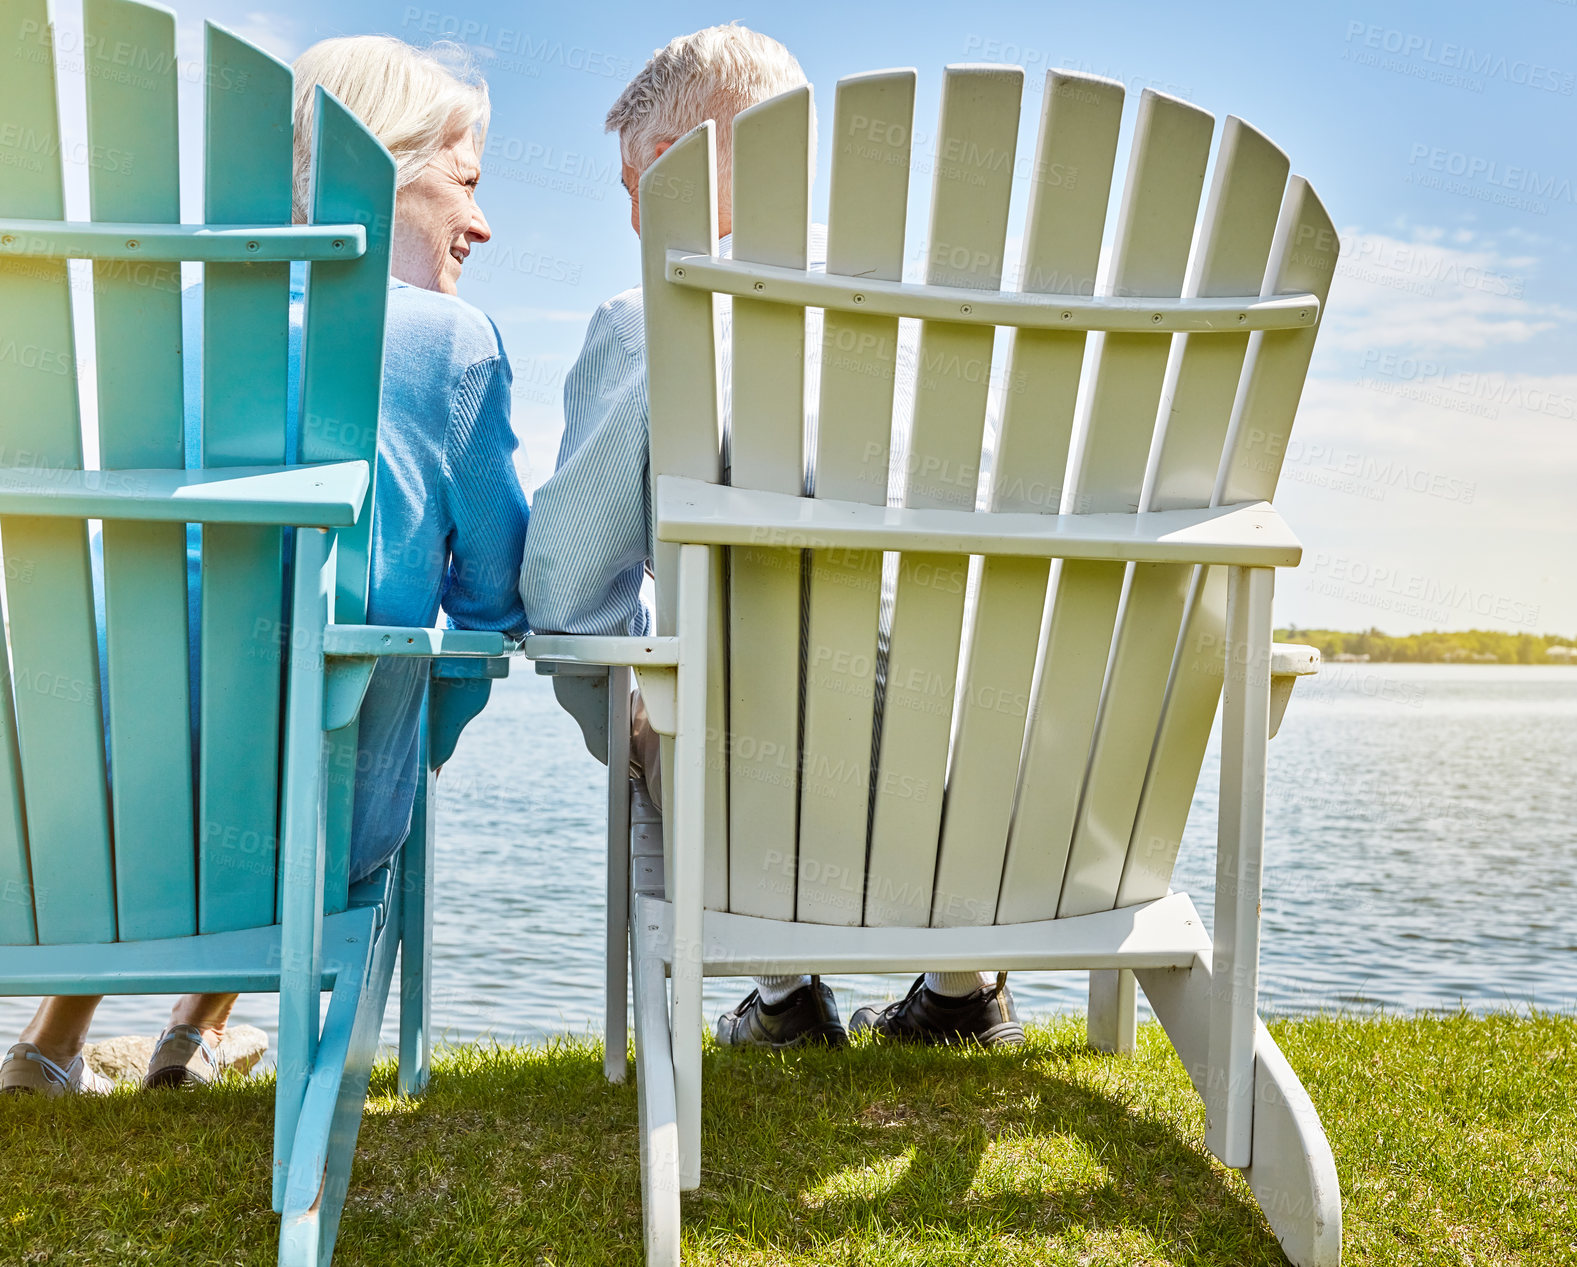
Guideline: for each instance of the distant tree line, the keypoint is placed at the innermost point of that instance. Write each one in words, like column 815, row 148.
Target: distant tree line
column 1470, row 646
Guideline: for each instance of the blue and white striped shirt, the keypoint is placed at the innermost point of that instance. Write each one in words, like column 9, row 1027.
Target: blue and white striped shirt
column 589, row 540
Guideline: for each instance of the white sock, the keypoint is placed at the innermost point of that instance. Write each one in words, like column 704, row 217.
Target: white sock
column 775, row 989
column 957, row 984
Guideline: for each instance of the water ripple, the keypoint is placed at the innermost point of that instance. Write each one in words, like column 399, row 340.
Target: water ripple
column 1420, row 849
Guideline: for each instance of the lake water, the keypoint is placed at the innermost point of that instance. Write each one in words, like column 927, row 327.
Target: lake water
column 1421, row 854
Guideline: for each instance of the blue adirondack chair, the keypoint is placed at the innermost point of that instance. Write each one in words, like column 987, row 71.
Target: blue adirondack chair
column 153, row 863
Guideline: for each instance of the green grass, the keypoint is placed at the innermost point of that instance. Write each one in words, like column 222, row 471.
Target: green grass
column 1455, row 1138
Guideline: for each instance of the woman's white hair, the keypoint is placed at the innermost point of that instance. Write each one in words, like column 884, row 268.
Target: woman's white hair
column 414, row 100
column 712, row 74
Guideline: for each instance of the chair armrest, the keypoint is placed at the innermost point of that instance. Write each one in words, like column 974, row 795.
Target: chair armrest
column 694, row 512
column 653, row 659
column 1292, row 659
column 1288, row 662
column 411, row 640
column 598, row 650
column 351, row 652
column 320, row 495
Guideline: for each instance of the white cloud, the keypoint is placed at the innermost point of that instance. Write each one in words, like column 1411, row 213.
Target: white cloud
column 1394, row 293
column 1428, row 497
column 1433, row 489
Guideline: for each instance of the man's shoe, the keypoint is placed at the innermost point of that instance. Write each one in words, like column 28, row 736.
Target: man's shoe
column 985, row 1016
column 27, row 1071
column 807, row 1016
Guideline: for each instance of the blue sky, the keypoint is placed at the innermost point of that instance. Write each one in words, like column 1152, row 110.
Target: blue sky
column 1433, row 468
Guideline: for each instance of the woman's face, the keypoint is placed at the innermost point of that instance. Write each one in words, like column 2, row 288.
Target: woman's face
column 436, row 219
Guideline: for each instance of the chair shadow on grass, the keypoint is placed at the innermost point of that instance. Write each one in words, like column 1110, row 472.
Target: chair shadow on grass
column 961, row 1145
column 868, row 1151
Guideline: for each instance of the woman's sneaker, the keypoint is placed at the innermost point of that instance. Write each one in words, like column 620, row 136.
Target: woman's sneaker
column 807, row 1016
column 27, row 1071
column 986, row 1016
column 182, row 1058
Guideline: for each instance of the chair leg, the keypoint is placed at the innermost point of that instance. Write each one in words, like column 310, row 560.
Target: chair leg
column 416, row 938
column 687, row 845
column 616, row 1048
column 1114, row 1011
column 1240, row 850
column 301, row 857
column 657, row 1115
column 687, row 1047
column 325, row 1143
column 1293, row 1174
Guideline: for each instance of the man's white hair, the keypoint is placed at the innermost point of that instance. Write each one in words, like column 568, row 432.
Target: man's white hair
column 416, row 101
column 712, row 74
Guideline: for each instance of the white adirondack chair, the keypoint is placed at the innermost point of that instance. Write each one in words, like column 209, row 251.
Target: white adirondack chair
column 999, row 783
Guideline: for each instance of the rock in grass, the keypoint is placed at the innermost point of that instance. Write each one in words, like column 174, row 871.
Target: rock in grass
column 125, row 1059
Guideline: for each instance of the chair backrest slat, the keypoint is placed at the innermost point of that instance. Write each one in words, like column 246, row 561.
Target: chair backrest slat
column 27, row 98
column 137, row 326
column 1234, row 244
column 976, row 144
column 771, row 208
column 1303, row 260
column 17, row 926
column 873, row 125
column 245, row 384
column 49, row 585
column 678, row 212
column 1070, row 185
column 1155, row 227
column 341, row 385
column 1235, row 241
column 342, row 356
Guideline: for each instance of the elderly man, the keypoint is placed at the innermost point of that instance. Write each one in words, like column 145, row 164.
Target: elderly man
column 589, row 542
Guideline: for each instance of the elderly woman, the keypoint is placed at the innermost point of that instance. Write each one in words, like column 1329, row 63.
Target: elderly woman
column 449, row 513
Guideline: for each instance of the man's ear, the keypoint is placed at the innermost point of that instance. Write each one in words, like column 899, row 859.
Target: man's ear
column 662, row 148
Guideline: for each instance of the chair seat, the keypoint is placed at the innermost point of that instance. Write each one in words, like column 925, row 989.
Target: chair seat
column 245, row 961
column 1166, row 933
